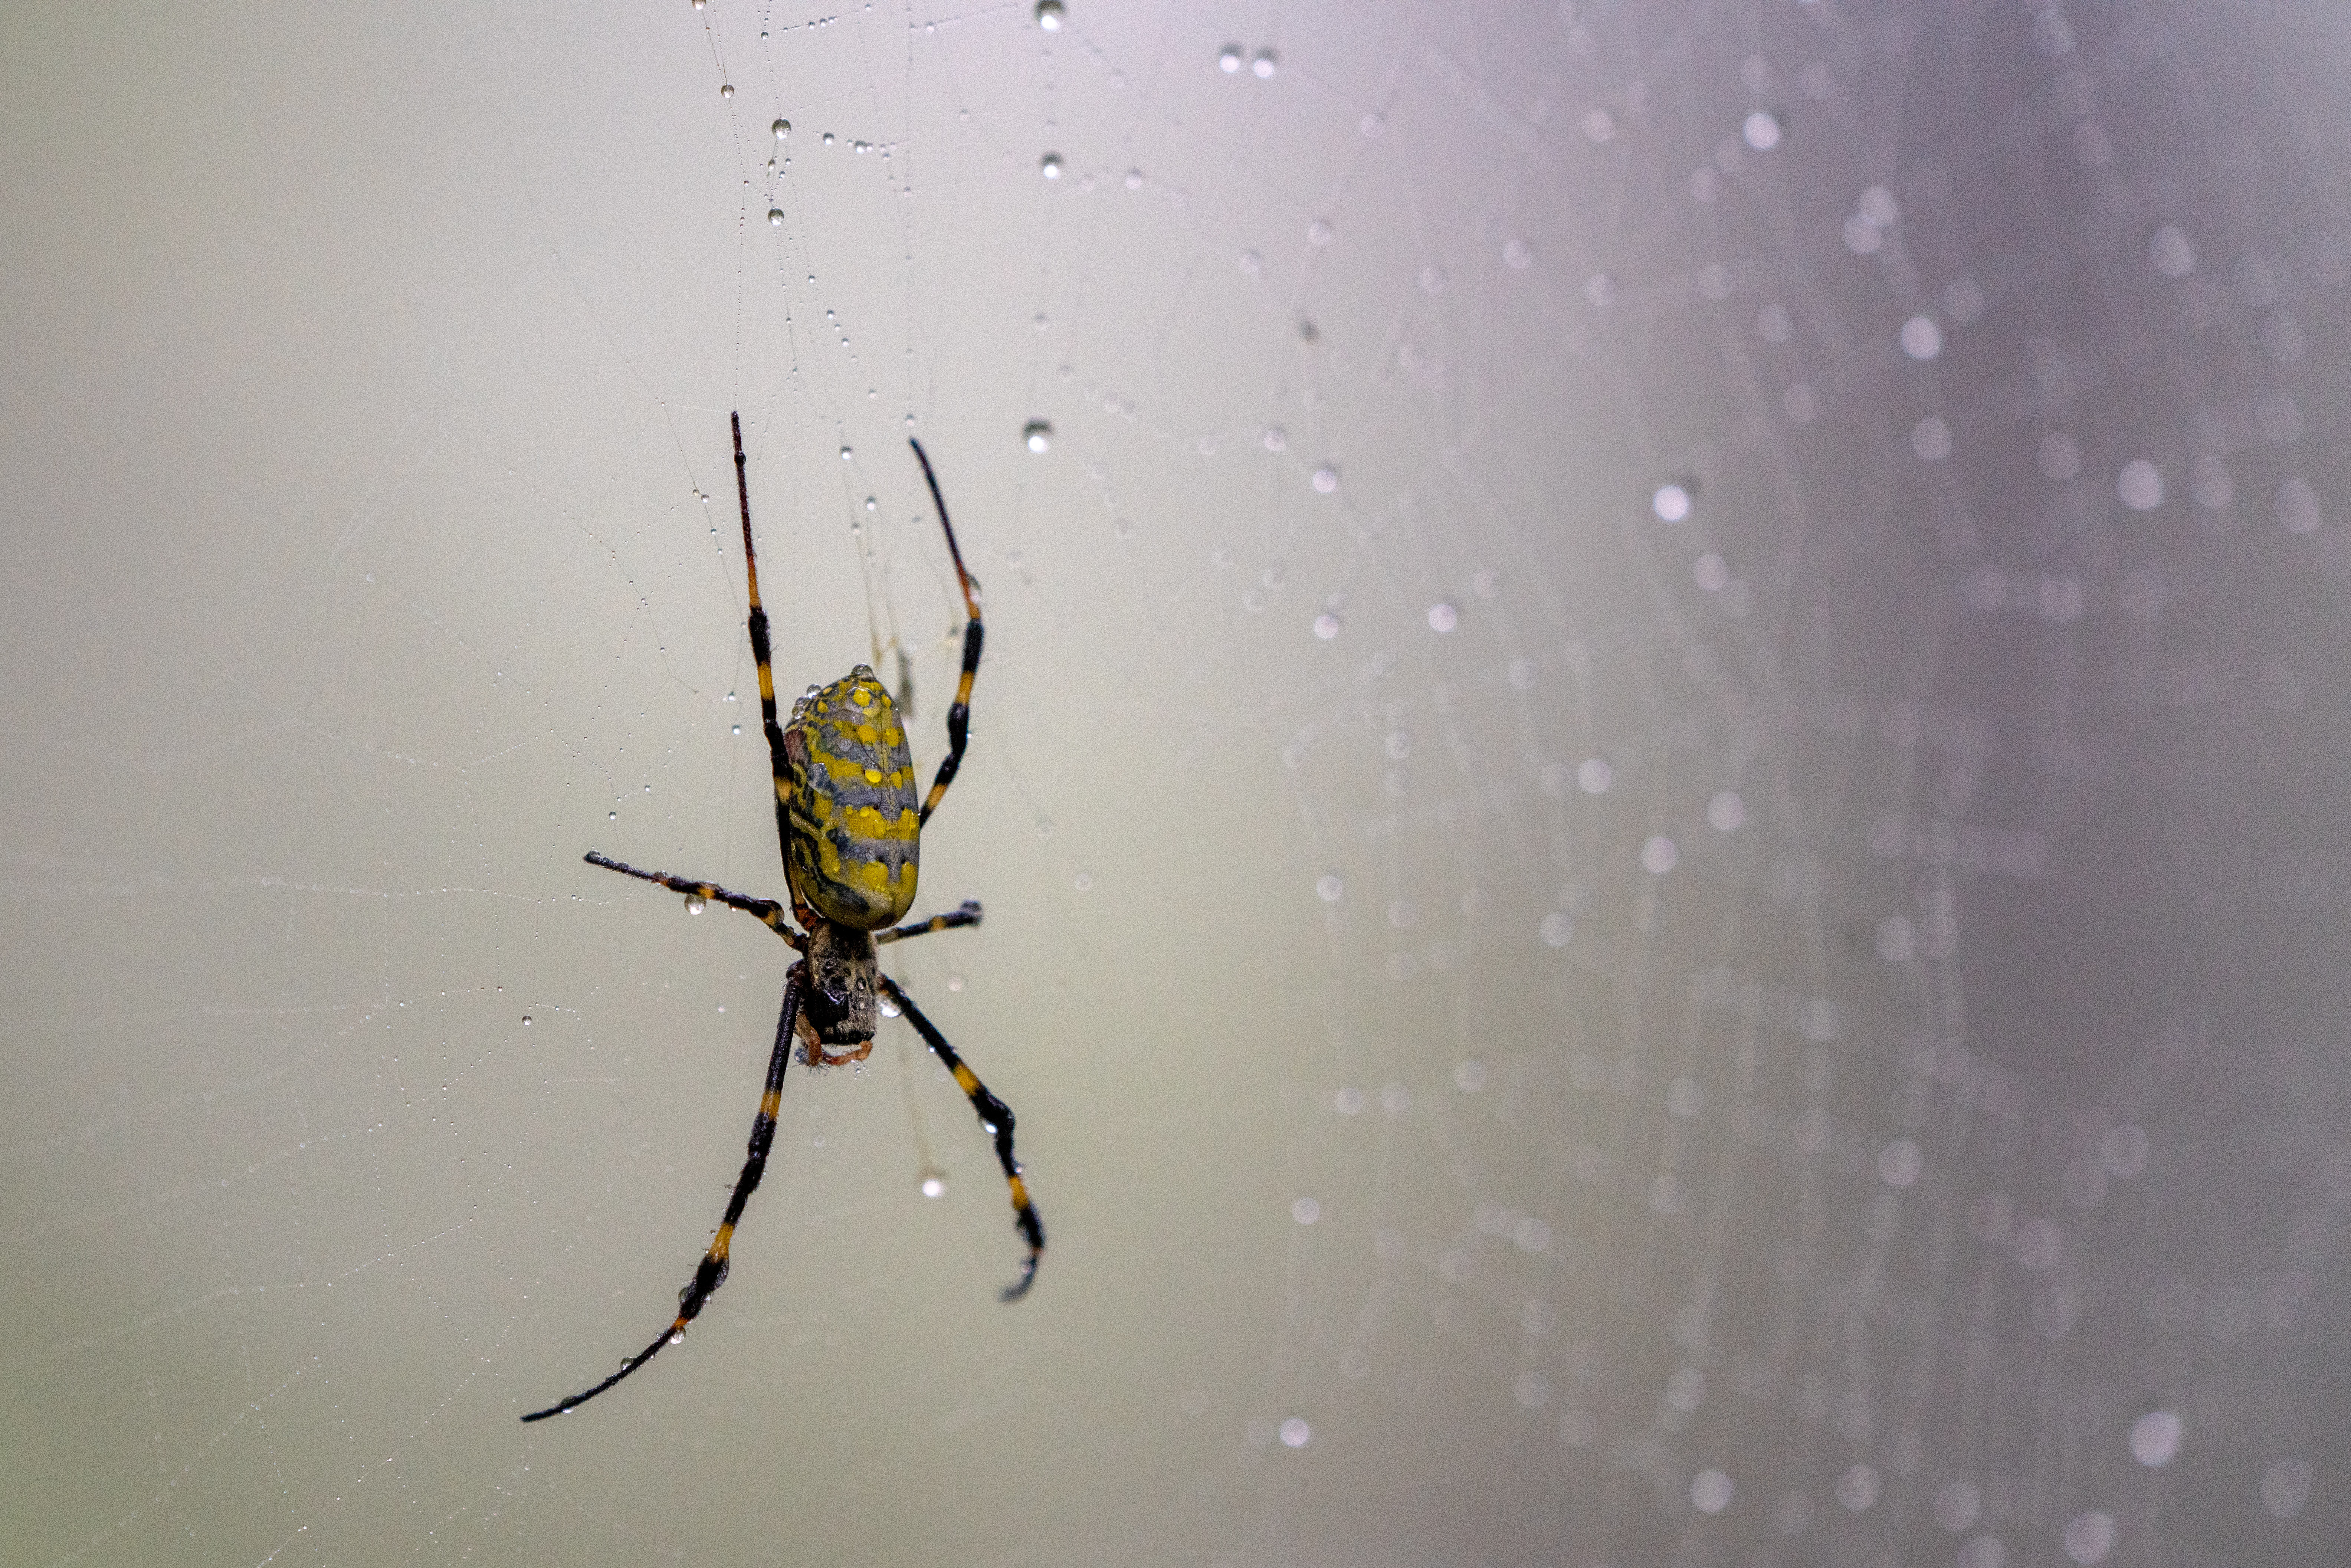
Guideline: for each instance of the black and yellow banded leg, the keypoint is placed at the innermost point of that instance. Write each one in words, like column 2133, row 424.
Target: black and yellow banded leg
column 968, row 915
column 757, row 623
column 960, row 710
column 766, row 911
column 711, row 1272
column 995, row 1118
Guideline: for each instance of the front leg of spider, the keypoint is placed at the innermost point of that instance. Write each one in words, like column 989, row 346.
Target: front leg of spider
column 996, row 1120
column 711, row 1272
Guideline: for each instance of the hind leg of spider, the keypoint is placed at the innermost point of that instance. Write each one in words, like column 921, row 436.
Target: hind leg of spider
column 995, row 1118
column 711, row 1272
column 960, row 710
column 756, row 622
column 968, row 915
column 766, row 911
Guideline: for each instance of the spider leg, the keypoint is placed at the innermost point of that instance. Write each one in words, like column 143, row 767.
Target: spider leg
column 995, row 1118
column 968, row 915
column 711, row 1272
column 766, row 911
column 757, row 623
column 960, row 710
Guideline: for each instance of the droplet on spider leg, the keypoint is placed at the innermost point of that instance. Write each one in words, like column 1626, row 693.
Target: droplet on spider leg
column 696, row 904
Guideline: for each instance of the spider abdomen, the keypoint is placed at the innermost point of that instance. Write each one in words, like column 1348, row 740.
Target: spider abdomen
column 853, row 836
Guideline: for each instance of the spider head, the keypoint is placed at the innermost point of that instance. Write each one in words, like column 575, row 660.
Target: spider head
column 837, row 1013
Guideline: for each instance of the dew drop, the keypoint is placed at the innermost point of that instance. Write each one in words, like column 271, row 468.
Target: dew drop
column 1443, row 617
column 725, row 89
column 1049, row 20
column 2154, row 1438
column 696, row 904
column 1263, row 66
column 845, row 455
column 1326, row 627
column 776, row 217
column 782, row 128
column 1049, row 165
column 2169, row 251
column 1326, row 480
column 2089, row 1537
column 526, row 1021
column 1135, row 179
column 1038, row 436
column 1228, row 58
column 933, row 1182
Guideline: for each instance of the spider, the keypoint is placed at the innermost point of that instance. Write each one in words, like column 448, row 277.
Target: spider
column 848, row 833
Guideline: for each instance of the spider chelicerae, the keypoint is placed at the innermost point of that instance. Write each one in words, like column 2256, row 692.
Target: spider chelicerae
column 850, row 833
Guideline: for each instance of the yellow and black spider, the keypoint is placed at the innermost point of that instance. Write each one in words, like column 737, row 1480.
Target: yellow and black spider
column 850, row 834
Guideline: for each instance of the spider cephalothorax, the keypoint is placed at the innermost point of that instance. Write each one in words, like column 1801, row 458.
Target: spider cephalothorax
column 837, row 1014
column 851, row 835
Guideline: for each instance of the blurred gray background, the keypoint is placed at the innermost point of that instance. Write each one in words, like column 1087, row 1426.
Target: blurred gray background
column 1662, row 786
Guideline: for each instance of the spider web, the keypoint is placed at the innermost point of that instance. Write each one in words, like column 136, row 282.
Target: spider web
column 1659, row 783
